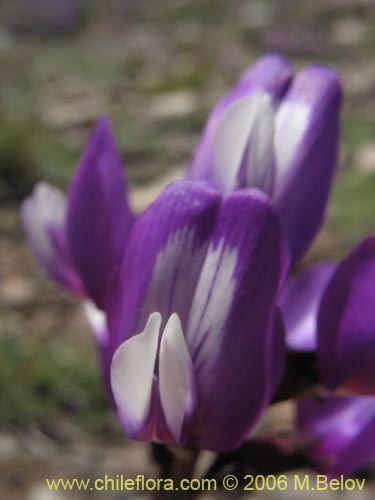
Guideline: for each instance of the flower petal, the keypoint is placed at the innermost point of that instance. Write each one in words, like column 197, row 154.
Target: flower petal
column 360, row 452
column 97, row 320
column 306, row 143
column 176, row 378
column 43, row 216
column 346, row 322
column 132, row 379
column 299, row 303
column 99, row 217
column 233, row 306
column 163, row 257
column 243, row 145
column 269, row 75
column 341, row 432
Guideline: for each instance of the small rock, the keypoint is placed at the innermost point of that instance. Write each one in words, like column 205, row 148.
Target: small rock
column 348, row 32
column 142, row 196
column 16, row 291
column 83, row 109
column 358, row 79
column 256, row 14
column 7, row 43
column 365, row 158
column 40, row 491
column 173, row 104
column 8, row 447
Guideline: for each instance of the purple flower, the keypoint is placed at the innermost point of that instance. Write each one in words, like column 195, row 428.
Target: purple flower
column 280, row 135
column 331, row 308
column 44, row 219
column 49, row 14
column 299, row 303
column 340, row 433
column 346, row 322
column 194, row 315
column 98, row 218
column 79, row 240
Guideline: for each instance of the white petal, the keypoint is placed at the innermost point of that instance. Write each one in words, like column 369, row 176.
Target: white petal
column 244, row 139
column 97, row 320
column 212, row 302
column 176, row 377
column 174, row 277
column 45, row 208
column 132, row 374
column 291, row 122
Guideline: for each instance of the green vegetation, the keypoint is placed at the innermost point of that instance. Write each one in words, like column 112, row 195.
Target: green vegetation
column 352, row 208
column 43, row 378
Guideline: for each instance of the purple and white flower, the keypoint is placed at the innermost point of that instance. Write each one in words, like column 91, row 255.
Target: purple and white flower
column 43, row 216
column 201, row 346
column 79, row 239
column 279, row 134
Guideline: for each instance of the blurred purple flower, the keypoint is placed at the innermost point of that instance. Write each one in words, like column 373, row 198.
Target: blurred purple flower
column 299, row 303
column 98, row 217
column 340, row 433
column 79, row 240
column 43, row 215
column 346, row 322
column 279, row 134
column 331, row 308
column 52, row 14
column 195, row 313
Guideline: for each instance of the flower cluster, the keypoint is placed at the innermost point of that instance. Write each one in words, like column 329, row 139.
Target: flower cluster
column 194, row 303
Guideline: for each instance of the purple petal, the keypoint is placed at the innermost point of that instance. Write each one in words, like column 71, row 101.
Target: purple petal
column 299, row 303
column 270, row 75
column 306, row 143
column 346, row 322
column 43, row 216
column 229, row 329
column 162, row 262
column 163, row 257
column 99, row 217
column 341, row 432
column 360, row 452
column 221, row 272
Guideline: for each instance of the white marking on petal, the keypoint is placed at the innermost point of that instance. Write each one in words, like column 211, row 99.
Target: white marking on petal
column 291, row 123
column 244, row 140
column 97, row 320
column 132, row 373
column 212, row 302
column 44, row 209
column 176, row 377
column 175, row 275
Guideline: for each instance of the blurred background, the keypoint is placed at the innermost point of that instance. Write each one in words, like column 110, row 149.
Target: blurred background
column 156, row 68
